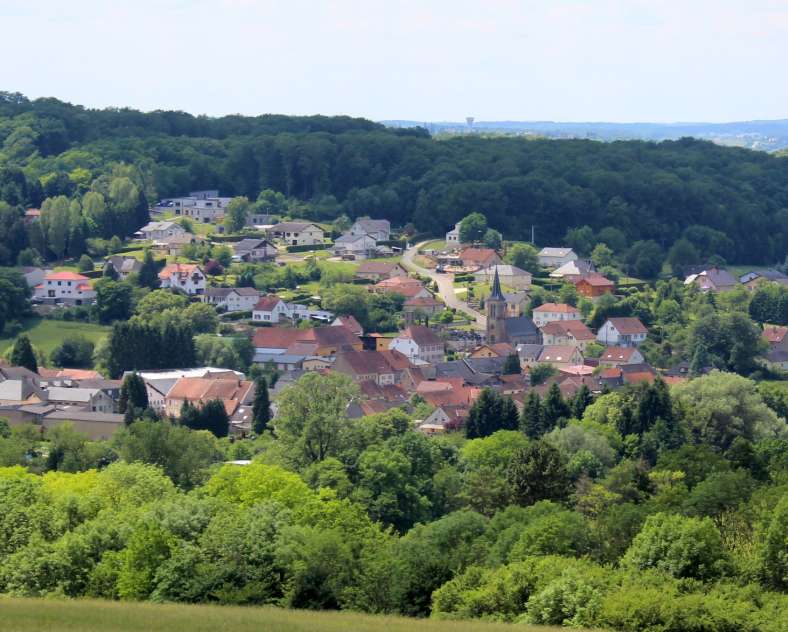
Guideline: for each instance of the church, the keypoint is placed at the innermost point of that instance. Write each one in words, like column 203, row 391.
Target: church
column 500, row 328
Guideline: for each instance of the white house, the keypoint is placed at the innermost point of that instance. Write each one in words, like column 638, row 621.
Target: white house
column 549, row 312
column 378, row 229
column 360, row 246
column 555, row 257
column 419, row 343
column 270, row 309
column 254, row 250
column 202, row 206
column 160, row 230
column 622, row 332
column 576, row 267
column 297, row 233
column 187, row 277
column 233, row 299
column 453, row 236
column 69, row 288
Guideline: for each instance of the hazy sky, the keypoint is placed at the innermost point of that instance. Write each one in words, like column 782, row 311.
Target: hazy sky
column 612, row 60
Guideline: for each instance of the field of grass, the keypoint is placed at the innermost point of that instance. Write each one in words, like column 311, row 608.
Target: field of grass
column 39, row 615
column 437, row 244
column 48, row 334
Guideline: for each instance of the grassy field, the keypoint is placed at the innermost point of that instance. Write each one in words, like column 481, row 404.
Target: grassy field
column 48, row 334
column 39, row 615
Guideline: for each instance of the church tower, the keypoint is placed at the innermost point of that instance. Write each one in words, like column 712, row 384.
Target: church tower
column 495, row 306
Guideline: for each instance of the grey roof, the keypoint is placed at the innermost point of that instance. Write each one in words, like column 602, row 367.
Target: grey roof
column 521, row 326
column 291, row 227
column 246, row 291
column 85, row 415
column 151, row 226
column 278, row 358
column 245, row 245
column 492, row 366
column 64, row 394
column 515, row 297
column 529, row 352
column 347, row 238
column 554, row 252
column 124, row 264
column 374, row 224
column 220, row 292
column 504, row 269
column 771, row 275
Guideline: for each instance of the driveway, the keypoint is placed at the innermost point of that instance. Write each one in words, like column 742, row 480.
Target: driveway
column 445, row 286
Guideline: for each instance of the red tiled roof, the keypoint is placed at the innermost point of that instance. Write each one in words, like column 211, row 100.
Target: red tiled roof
column 375, row 362
column 422, row 300
column 376, row 267
column 267, row 303
column 617, row 354
column 563, row 327
column 349, row 321
column 398, row 281
column 478, row 255
column 556, row 307
column 65, row 276
column 557, row 353
column 181, row 269
column 775, row 334
column 628, row 325
column 276, row 337
column 593, row 278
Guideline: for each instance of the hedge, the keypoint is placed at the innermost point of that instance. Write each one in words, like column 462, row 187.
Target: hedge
column 308, row 248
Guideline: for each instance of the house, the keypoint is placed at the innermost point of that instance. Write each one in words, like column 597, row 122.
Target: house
column 712, row 280
column 159, row 230
column 270, row 309
column 511, row 276
column 379, row 270
column 232, row 392
column 616, row 356
column 560, row 356
column 20, row 385
column 548, row 312
column 33, row 275
column 297, row 233
column 68, row 288
column 233, row 299
column 576, row 267
column 253, row 250
column 752, row 280
column 404, row 286
column 90, row 399
column 496, row 350
column 350, row 322
column 378, row 229
column 186, row 277
column 95, row 425
column 622, row 332
column 202, row 206
column 174, row 244
column 453, row 236
column 359, row 246
column 419, row 343
column 555, row 257
column 381, row 367
column 32, row 215
column 516, row 303
column 263, row 220
column 123, row 266
column 159, row 382
column 420, row 307
column 318, row 341
column 777, row 355
column 593, row 285
column 479, row 258
column 567, row 332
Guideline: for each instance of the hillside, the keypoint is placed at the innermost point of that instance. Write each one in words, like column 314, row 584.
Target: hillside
column 727, row 201
column 23, row 615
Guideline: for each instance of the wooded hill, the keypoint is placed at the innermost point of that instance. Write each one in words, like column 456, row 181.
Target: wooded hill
column 651, row 191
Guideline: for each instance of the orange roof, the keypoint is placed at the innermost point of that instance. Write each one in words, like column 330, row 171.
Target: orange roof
column 398, row 281
column 617, row 354
column 556, row 307
column 267, row 303
column 775, row 334
column 201, row 389
column 593, row 278
column 181, row 269
column 563, row 327
column 65, row 276
column 478, row 255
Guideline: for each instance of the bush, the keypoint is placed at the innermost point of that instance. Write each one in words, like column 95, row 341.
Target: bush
column 74, row 352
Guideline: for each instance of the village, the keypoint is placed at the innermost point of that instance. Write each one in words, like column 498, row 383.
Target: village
column 467, row 320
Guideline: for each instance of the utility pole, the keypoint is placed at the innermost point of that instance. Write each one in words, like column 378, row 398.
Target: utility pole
column 533, row 229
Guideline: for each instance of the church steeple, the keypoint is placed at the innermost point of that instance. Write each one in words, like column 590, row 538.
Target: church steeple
column 496, row 293
column 496, row 312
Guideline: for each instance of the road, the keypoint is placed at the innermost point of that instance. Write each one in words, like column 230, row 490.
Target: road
column 445, row 286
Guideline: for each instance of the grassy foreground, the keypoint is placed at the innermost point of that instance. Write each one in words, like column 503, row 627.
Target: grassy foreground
column 44, row 615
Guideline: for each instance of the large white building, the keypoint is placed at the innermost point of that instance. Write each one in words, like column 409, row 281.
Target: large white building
column 549, row 312
column 69, row 288
column 187, row 277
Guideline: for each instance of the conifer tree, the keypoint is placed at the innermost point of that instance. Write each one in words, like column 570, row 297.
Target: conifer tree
column 23, row 355
column 555, row 408
column 261, row 407
column 532, row 420
column 149, row 272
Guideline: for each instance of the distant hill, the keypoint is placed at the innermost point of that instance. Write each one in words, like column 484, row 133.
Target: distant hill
column 762, row 135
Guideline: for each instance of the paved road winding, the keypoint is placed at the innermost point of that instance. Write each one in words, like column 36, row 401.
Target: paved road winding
column 445, row 286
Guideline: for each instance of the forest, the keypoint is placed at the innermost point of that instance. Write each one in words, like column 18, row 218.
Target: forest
column 729, row 202
column 652, row 508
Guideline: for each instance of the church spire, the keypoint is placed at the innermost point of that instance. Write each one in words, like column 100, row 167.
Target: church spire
column 496, row 293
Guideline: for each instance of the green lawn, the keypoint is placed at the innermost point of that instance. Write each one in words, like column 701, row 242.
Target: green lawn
column 49, row 615
column 437, row 244
column 48, row 334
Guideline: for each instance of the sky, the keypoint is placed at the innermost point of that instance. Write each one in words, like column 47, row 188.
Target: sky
column 427, row 60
